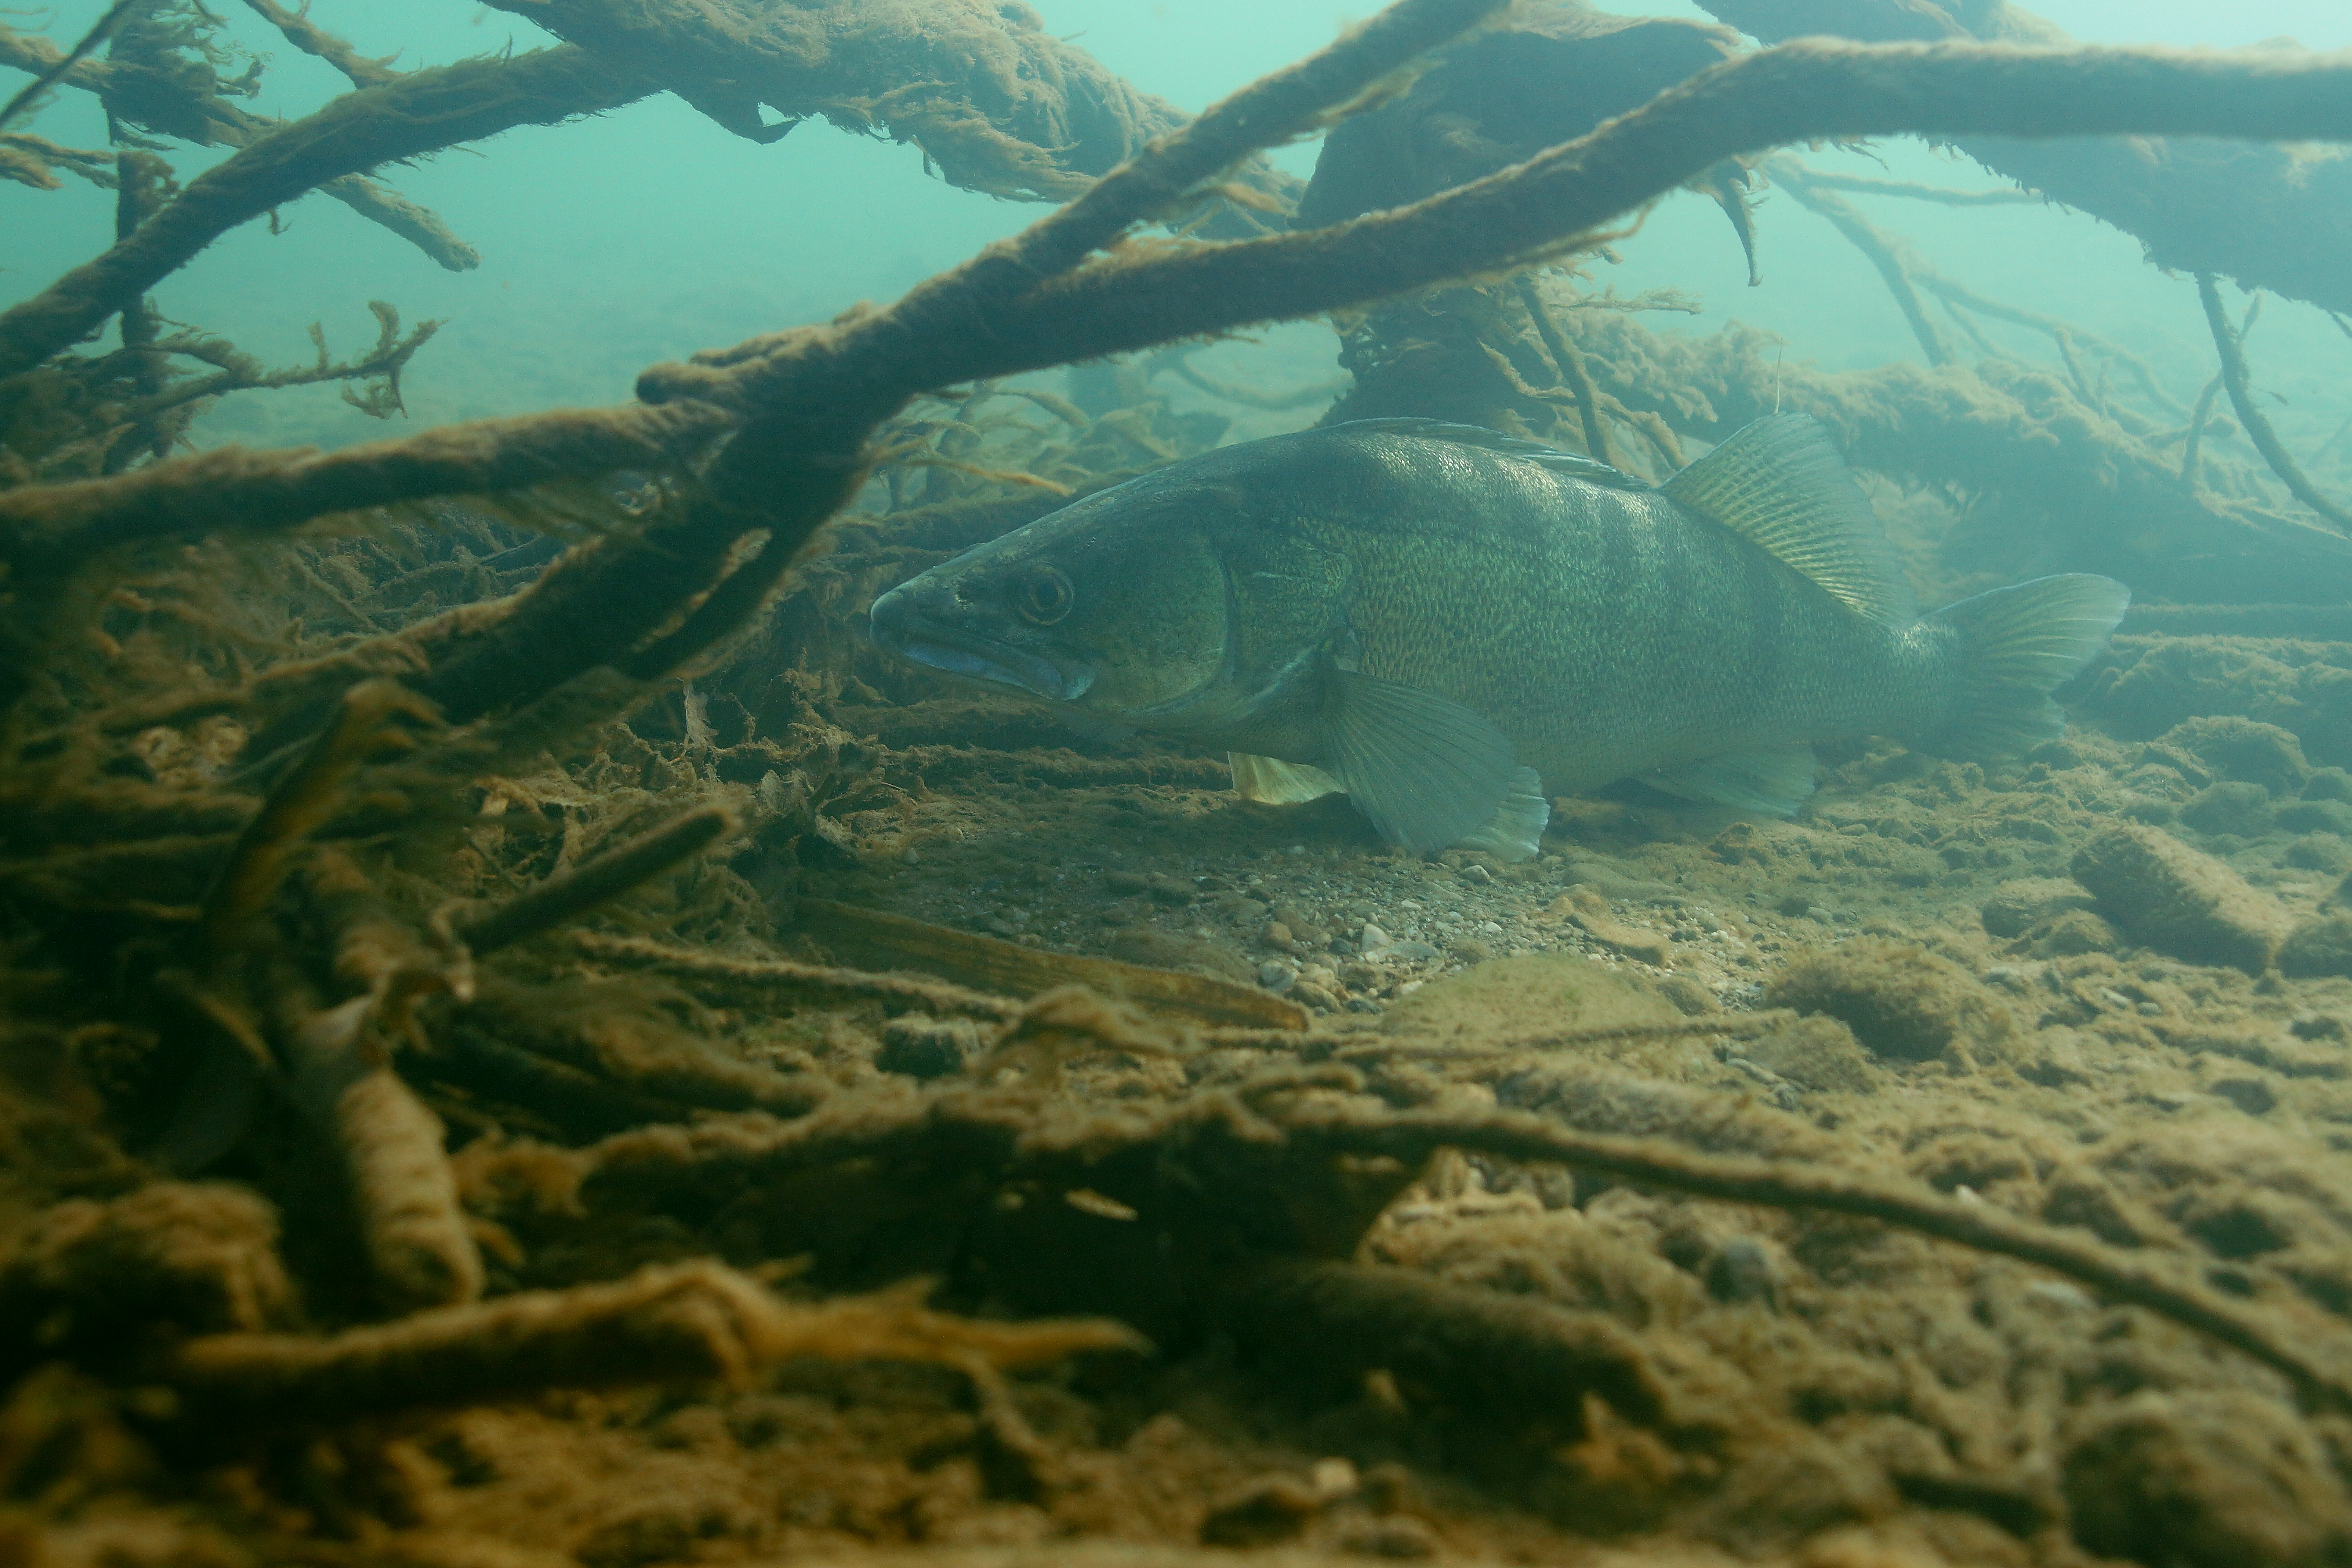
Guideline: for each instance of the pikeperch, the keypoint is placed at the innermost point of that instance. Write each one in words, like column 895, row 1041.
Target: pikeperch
column 1443, row 622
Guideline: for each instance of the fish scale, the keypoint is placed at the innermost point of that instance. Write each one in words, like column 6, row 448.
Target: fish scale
column 1447, row 623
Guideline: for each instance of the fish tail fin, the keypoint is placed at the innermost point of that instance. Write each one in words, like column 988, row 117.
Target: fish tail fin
column 2015, row 645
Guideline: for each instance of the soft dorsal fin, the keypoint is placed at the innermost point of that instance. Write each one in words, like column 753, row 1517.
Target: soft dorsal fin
column 1575, row 465
column 1780, row 485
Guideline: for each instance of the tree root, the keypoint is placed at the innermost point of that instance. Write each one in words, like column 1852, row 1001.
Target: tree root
column 604, row 876
column 1007, row 967
column 757, row 976
column 698, row 1321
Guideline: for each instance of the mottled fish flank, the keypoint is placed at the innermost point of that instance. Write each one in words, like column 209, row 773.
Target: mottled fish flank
column 1446, row 623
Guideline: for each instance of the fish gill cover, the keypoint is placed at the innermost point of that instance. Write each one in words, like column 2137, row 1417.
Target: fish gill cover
column 534, row 1035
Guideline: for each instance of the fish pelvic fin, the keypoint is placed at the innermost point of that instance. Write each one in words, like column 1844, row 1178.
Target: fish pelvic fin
column 1279, row 783
column 1771, row 781
column 1427, row 771
column 1780, row 485
column 1514, row 832
column 2015, row 645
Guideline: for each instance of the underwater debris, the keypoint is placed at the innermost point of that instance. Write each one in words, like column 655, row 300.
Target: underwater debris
column 2182, row 900
column 1729, row 1351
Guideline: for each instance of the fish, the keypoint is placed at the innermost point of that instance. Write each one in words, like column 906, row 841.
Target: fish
column 1450, row 626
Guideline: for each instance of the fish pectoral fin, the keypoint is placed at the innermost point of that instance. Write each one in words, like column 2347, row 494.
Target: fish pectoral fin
column 1770, row 780
column 1426, row 770
column 1780, row 485
column 1516, row 830
column 1279, row 783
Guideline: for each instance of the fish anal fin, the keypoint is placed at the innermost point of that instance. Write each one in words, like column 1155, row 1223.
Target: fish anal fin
column 1278, row 782
column 1780, row 484
column 1427, row 771
column 1516, row 830
column 1770, row 780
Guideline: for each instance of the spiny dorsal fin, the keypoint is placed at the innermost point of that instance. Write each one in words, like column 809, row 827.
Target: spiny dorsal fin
column 1575, row 465
column 1781, row 486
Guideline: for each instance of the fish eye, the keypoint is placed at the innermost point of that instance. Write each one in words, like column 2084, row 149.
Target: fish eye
column 1042, row 596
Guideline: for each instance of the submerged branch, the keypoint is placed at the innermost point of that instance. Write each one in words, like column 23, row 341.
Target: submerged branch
column 52, row 71
column 808, row 401
column 1896, row 266
column 2236, row 378
column 418, row 113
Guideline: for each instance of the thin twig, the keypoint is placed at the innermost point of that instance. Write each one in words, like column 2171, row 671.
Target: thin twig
column 605, row 876
column 100, row 30
column 2193, row 447
column 1571, row 367
column 2231, row 343
column 762, row 973
column 312, row 39
column 1730, row 1024
column 1862, row 185
column 421, row 112
column 1893, row 258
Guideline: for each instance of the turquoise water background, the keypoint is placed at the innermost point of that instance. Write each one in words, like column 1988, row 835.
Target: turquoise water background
column 643, row 235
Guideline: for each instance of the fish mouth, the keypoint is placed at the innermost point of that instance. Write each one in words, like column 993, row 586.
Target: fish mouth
column 900, row 627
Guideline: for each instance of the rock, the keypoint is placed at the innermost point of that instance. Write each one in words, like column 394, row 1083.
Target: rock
column 2233, row 807
column 2320, row 852
column 1241, row 908
column 2179, row 901
column 1372, row 938
column 2243, row 749
column 1473, row 872
column 1359, row 976
column 2316, row 817
column 1166, row 950
column 1742, row 842
column 2205, row 1478
column 1303, row 927
column 1265, row 1512
column 1468, row 950
column 2328, row 783
column 2323, row 946
column 1277, row 934
column 1742, row 1269
column 1588, row 913
column 1308, row 993
column 1816, row 1052
column 2018, row 906
column 916, row 1046
column 1901, row 1001
column 1689, row 997
column 1170, row 889
column 2075, row 932
column 2252, row 1095
column 1277, row 976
